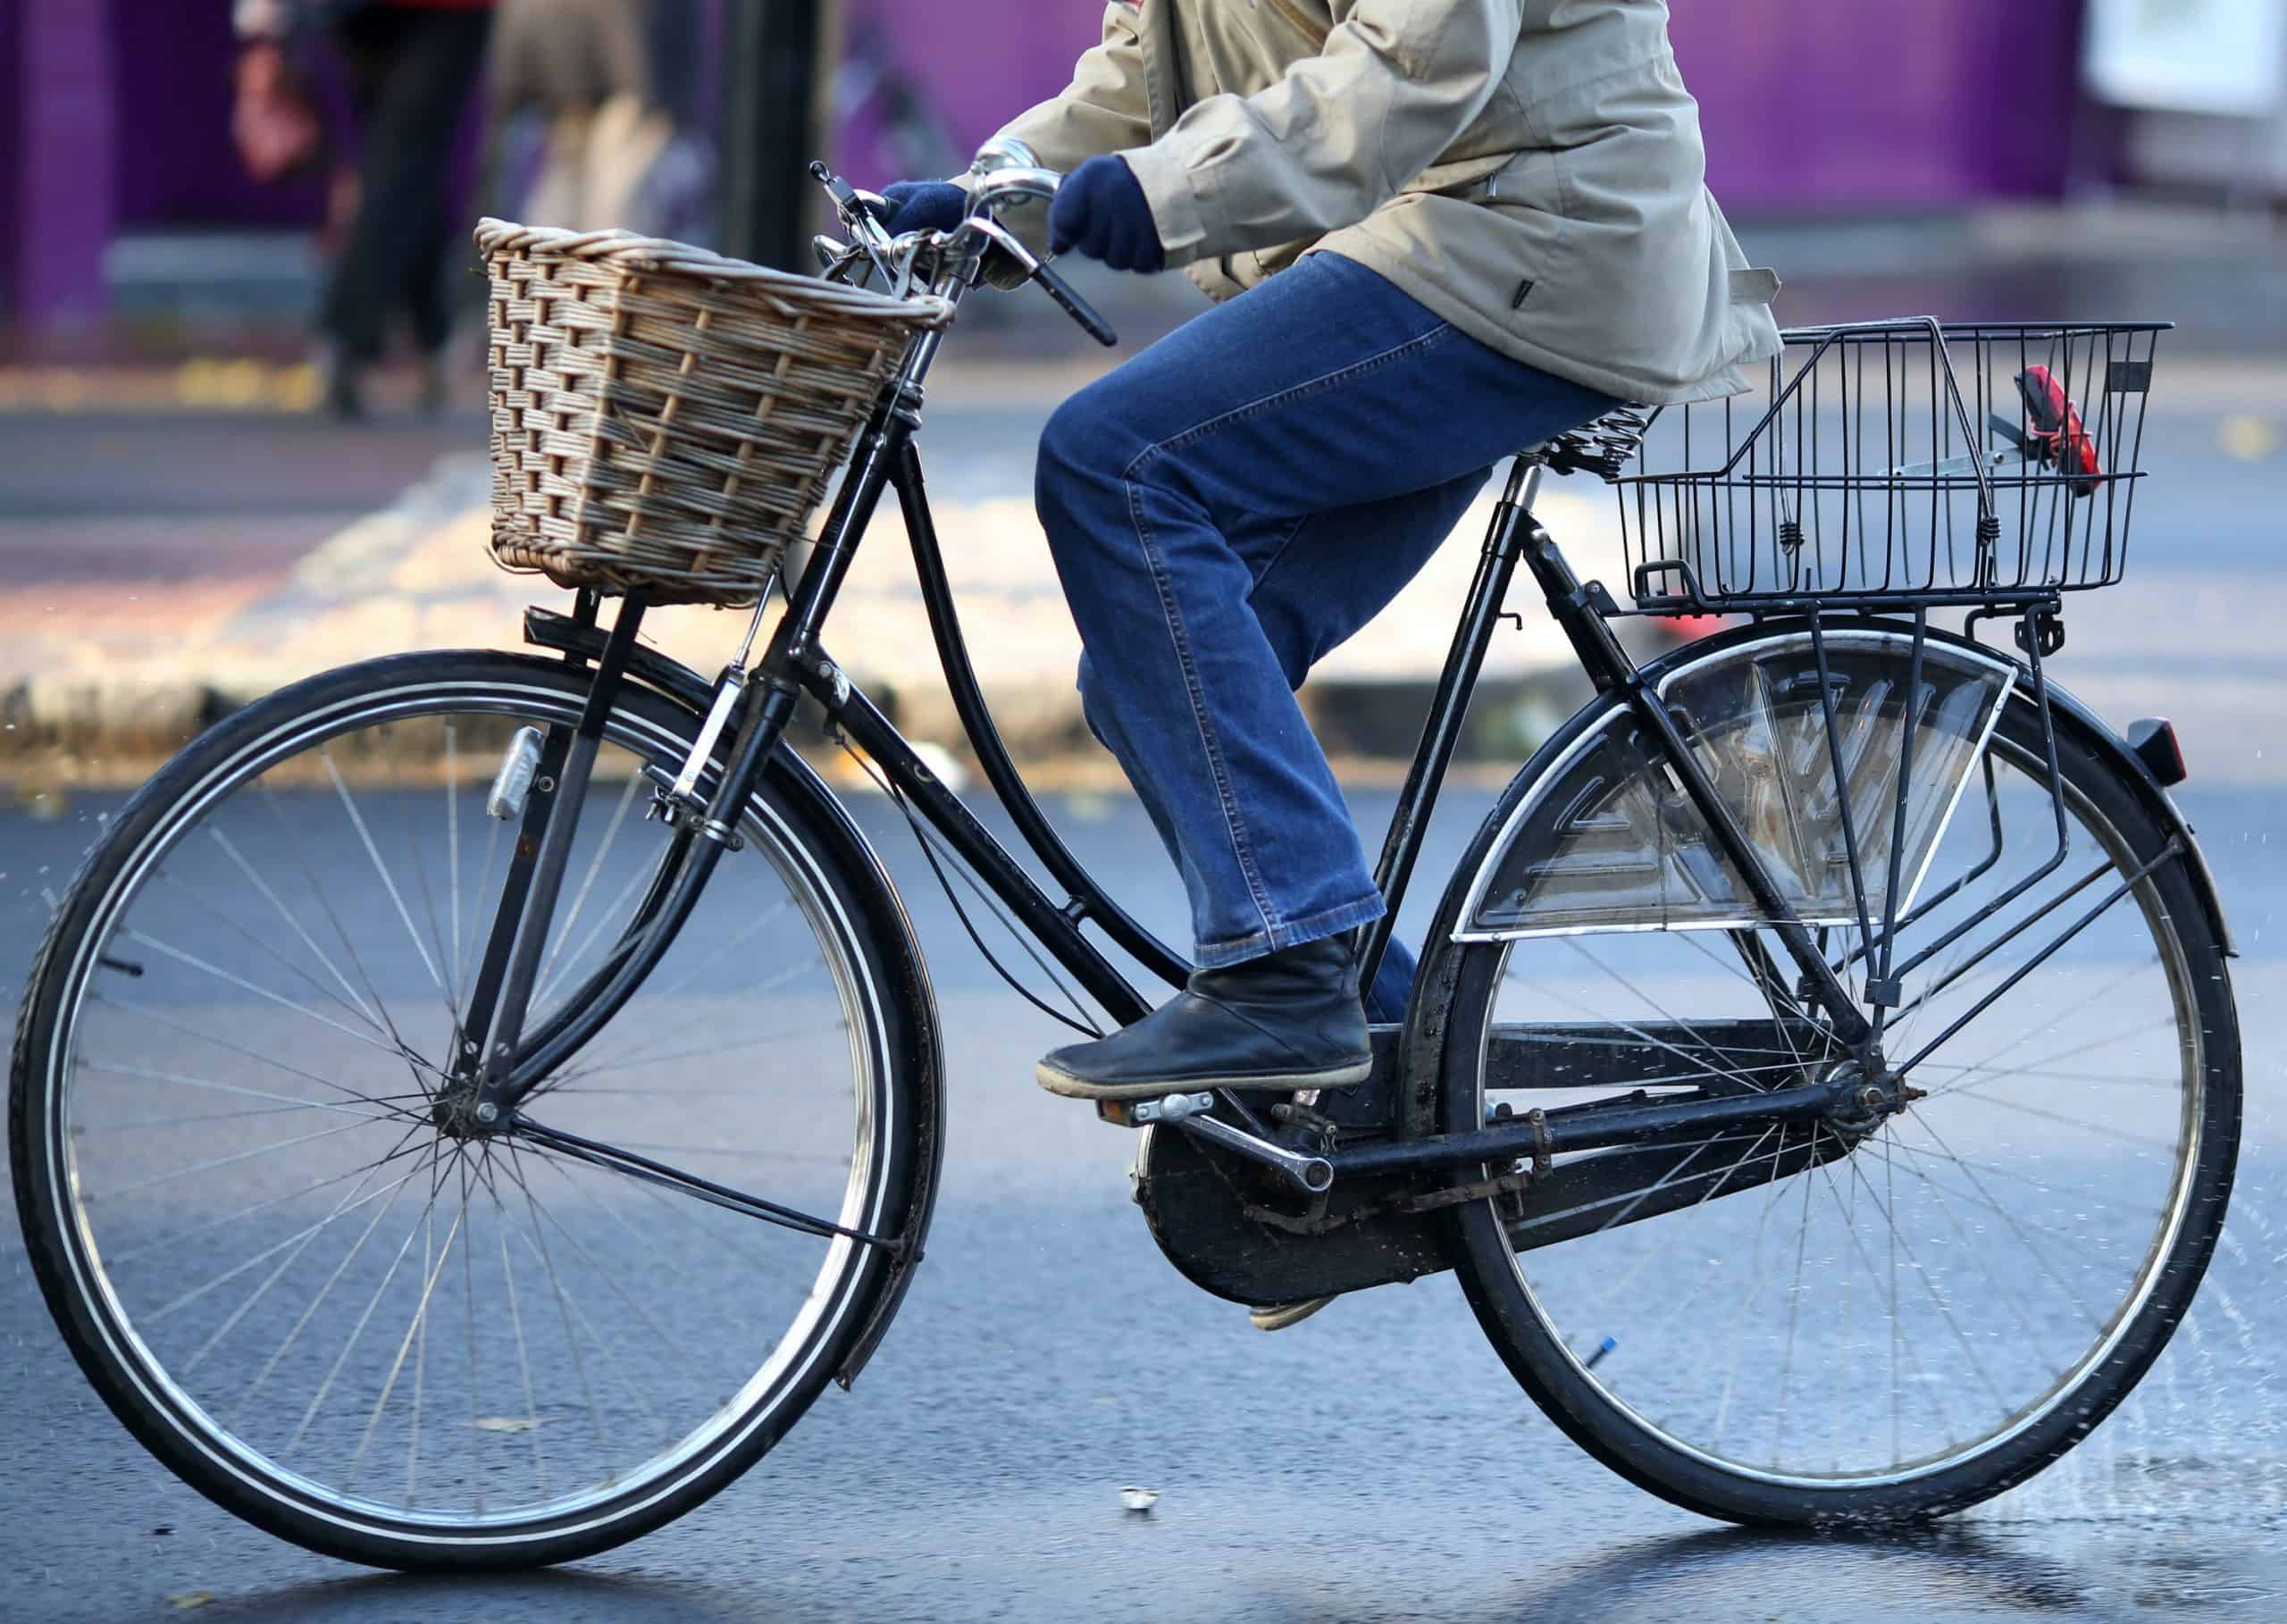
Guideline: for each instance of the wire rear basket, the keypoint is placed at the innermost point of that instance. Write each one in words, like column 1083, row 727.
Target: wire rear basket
column 1887, row 463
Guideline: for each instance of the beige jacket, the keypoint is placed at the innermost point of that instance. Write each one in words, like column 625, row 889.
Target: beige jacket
column 1530, row 169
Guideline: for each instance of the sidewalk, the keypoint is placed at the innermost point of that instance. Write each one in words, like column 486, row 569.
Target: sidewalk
column 99, row 679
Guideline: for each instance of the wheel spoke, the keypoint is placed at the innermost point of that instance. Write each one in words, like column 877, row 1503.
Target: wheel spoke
column 176, row 1238
column 347, row 1204
column 233, row 1158
column 325, row 906
column 537, row 1242
column 190, row 893
column 2017, row 1227
column 477, row 899
column 325, row 960
column 141, row 939
column 1737, row 1328
column 116, row 1068
column 145, row 1012
column 420, row 876
column 389, row 881
column 1794, row 1315
column 556, row 1289
column 1575, row 944
column 670, row 1056
column 414, row 1327
column 333, row 1372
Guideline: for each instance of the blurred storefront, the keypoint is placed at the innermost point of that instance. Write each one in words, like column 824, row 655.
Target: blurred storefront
column 113, row 114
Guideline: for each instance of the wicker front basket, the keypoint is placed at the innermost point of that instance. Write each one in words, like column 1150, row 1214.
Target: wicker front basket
column 664, row 419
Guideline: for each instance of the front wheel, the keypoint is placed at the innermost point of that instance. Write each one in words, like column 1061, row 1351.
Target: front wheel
column 1829, row 1322
column 401, row 1345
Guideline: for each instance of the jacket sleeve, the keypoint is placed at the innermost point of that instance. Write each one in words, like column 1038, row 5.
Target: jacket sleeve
column 1337, row 137
column 1105, row 109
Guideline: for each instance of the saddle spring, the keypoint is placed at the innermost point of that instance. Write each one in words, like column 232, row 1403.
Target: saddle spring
column 1603, row 447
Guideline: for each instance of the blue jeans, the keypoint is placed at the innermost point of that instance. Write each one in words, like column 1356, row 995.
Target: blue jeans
column 1226, row 507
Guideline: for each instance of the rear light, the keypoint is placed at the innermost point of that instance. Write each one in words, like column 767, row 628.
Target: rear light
column 2153, row 740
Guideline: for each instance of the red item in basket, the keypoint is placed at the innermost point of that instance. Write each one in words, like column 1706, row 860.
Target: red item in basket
column 2052, row 419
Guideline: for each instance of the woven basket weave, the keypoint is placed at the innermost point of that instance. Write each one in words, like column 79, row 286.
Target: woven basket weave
column 664, row 419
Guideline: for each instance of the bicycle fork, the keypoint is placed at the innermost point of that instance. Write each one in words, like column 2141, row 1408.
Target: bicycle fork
column 489, row 1030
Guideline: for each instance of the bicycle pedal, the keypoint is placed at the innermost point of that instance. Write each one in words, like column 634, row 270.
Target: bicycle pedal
column 1142, row 1113
column 1310, row 1173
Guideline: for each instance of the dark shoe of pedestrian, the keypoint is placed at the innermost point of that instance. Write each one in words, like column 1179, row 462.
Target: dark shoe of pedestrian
column 433, row 392
column 340, row 385
column 1291, row 1019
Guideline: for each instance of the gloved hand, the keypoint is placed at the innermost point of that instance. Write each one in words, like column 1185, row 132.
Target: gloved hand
column 924, row 206
column 1101, row 210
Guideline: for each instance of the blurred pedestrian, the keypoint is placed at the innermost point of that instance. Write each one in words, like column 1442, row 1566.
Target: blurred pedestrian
column 410, row 65
column 611, row 81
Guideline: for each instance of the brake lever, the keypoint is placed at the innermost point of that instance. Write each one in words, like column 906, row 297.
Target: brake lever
column 1036, row 269
column 865, row 232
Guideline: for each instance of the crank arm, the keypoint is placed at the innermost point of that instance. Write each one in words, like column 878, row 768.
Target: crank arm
column 1311, row 1175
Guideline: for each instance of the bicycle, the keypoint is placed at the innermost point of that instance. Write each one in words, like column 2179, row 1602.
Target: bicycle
column 1694, row 1002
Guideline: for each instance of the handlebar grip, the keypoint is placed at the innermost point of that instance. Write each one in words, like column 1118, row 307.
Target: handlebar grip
column 1074, row 306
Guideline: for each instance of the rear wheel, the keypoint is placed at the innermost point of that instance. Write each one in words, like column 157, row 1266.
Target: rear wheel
column 400, row 1345
column 1810, row 1325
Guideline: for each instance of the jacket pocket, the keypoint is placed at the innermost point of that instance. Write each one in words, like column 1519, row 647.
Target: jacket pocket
column 1313, row 29
column 1527, row 179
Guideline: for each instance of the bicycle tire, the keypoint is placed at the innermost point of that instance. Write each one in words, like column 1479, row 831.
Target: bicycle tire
column 1459, row 981
column 789, row 808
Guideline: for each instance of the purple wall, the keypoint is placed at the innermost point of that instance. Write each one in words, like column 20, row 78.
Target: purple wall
column 976, row 66
column 12, row 114
column 62, row 218
column 171, row 78
column 115, row 112
column 1879, row 103
column 1809, row 106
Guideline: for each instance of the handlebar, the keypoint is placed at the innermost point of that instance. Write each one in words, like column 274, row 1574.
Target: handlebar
column 1073, row 306
column 1005, row 173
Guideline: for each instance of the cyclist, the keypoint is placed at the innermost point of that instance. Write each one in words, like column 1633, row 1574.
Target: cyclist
column 1438, row 231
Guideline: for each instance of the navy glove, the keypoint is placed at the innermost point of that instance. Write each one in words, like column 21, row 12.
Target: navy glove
column 923, row 205
column 1101, row 210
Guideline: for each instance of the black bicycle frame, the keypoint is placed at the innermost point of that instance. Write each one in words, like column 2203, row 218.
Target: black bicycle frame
column 797, row 663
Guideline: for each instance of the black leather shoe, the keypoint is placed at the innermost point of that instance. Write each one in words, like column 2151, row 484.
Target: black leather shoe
column 1291, row 1019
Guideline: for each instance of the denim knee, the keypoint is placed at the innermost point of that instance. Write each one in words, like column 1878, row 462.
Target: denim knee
column 1079, row 449
column 1095, row 705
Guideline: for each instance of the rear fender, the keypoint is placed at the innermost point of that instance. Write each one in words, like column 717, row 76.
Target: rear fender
column 1474, row 881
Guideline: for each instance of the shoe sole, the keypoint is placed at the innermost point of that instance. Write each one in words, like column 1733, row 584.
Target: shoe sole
column 1285, row 1314
column 1059, row 1081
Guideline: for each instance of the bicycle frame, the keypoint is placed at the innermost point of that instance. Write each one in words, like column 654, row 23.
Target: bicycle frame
column 797, row 663
column 497, row 1070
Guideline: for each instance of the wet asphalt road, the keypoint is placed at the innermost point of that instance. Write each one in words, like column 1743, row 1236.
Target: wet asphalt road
column 1377, row 1463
